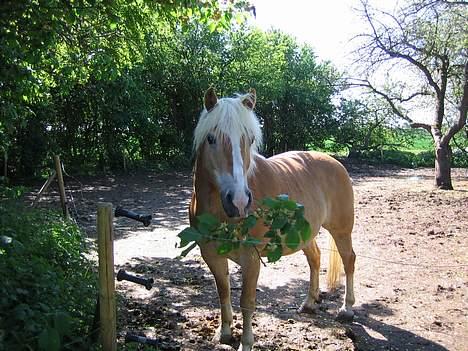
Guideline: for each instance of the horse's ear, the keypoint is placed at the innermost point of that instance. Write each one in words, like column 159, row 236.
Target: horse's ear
column 250, row 99
column 210, row 99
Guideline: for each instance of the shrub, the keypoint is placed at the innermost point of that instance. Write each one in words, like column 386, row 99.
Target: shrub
column 400, row 158
column 48, row 288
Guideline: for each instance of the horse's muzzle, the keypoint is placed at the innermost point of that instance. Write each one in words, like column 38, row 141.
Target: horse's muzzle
column 229, row 204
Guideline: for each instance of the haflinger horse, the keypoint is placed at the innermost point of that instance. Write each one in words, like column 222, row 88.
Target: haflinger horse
column 230, row 177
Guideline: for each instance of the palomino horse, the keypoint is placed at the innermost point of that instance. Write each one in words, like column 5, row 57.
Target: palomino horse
column 229, row 174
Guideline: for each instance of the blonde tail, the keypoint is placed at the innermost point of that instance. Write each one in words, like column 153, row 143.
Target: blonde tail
column 334, row 266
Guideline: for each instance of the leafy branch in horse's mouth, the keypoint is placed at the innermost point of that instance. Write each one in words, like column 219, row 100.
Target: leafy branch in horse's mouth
column 282, row 217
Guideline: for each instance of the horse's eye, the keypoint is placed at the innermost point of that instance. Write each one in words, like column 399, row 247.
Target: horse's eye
column 252, row 140
column 211, row 139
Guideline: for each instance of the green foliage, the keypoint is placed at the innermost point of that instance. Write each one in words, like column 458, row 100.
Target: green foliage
column 460, row 149
column 420, row 49
column 294, row 90
column 403, row 147
column 400, row 158
column 284, row 219
column 364, row 126
column 363, row 130
column 120, row 84
column 47, row 295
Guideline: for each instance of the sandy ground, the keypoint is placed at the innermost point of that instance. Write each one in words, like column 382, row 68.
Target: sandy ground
column 411, row 280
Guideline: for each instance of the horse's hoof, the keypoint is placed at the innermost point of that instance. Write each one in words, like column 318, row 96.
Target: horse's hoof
column 345, row 315
column 245, row 348
column 307, row 308
column 226, row 339
column 220, row 338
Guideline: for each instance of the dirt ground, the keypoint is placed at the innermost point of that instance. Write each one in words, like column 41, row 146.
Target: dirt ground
column 411, row 280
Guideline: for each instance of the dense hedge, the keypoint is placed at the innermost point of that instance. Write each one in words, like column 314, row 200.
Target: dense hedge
column 121, row 84
column 48, row 287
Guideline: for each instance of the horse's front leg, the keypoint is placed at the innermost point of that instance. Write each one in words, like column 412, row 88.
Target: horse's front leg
column 250, row 264
column 219, row 267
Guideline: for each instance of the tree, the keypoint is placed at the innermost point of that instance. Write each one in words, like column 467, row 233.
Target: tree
column 51, row 49
column 420, row 52
column 363, row 126
column 294, row 90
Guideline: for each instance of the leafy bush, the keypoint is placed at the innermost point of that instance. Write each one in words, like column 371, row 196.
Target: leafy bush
column 400, row 158
column 460, row 158
column 411, row 159
column 47, row 294
column 283, row 217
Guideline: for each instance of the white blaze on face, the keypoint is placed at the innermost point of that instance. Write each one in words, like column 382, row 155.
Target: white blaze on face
column 240, row 198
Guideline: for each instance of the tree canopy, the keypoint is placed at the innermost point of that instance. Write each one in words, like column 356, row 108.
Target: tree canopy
column 110, row 84
column 419, row 52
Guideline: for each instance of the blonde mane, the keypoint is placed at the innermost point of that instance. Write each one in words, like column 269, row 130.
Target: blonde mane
column 229, row 117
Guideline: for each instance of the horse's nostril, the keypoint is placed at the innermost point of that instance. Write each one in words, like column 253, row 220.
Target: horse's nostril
column 249, row 194
column 229, row 197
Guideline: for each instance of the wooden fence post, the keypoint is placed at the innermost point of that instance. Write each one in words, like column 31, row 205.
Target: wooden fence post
column 63, row 200
column 108, row 314
column 44, row 188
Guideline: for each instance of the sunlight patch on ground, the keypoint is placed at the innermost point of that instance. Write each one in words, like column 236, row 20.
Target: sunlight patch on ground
column 157, row 243
column 373, row 333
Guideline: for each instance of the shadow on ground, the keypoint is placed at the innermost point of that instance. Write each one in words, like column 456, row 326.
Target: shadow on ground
column 183, row 308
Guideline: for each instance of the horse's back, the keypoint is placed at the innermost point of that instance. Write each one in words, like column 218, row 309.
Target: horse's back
column 315, row 179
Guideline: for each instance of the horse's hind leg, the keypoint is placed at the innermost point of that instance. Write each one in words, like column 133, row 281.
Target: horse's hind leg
column 312, row 252
column 219, row 267
column 345, row 248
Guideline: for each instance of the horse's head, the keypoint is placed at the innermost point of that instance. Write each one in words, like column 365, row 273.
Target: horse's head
column 226, row 139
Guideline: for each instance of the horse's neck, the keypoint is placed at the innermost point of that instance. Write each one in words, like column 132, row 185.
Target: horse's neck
column 262, row 181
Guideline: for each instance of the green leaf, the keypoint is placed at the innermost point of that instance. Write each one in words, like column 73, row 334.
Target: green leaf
column 204, row 228
column 275, row 254
column 224, row 248
column 212, row 26
column 62, row 323
column 49, row 340
column 188, row 235
column 249, row 222
column 188, row 249
column 251, row 241
column 299, row 213
column 279, row 222
column 208, row 220
column 304, row 227
column 270, row 203
column 292, row 239
column 239, row 17
column 289, row 205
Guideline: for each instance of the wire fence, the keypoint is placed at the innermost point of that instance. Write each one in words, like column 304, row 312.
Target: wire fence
column 379, row 259
column 415, row 265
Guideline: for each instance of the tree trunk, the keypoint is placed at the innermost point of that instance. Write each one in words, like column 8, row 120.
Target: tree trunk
column 443, row 157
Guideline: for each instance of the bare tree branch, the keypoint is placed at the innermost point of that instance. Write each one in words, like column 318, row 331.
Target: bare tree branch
column 448, row 2
column 363, row 83
column 395, row 54
column 421, row 125
column 463, row 108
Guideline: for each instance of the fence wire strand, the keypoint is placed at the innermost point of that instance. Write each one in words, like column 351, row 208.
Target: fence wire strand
column 401, row 263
